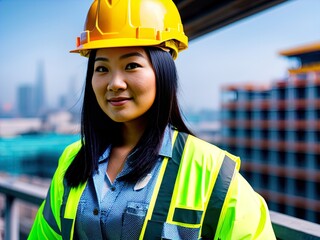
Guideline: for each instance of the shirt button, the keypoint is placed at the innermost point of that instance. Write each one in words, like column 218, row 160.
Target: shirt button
column 113, row 188
column 95, row 211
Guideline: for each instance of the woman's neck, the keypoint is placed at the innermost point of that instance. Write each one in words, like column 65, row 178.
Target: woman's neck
column 131, row 134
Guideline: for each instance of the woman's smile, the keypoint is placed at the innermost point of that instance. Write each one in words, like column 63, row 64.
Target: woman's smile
column 118, row 101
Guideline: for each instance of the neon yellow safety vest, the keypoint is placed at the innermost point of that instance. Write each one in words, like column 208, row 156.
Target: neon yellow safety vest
column 199, row 194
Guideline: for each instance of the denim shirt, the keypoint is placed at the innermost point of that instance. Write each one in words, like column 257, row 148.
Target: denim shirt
column 117, row 210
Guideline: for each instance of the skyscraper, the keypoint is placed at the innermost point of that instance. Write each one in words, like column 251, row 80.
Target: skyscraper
column 31, row 97
column 39, row 92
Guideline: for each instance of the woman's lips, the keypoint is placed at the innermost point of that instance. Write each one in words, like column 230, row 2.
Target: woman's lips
column 119, row 101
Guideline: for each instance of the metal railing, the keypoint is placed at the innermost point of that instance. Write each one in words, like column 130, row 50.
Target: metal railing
column 285, row 227
column 13, row 190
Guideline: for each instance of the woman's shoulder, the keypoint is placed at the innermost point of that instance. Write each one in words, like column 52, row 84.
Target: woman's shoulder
column 69, row 153
column 64, row 162
column 208, row 151
column 201, row 145
column 75, row 146
column 72, row 148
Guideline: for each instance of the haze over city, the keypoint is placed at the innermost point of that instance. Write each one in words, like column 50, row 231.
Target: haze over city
column 35, row 32
column 275, row 132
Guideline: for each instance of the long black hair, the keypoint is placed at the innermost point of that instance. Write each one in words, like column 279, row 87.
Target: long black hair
column 98, row 130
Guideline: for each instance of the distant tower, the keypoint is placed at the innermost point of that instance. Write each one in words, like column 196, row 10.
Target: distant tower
column 39, row 94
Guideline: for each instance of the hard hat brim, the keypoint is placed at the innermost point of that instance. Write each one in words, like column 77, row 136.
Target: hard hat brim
column 84, row 49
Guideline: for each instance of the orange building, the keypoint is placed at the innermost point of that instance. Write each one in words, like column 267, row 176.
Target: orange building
column 276, row 132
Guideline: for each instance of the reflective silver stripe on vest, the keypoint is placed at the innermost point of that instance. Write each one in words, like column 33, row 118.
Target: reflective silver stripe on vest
column 66, row 224
column 159, row 215
column 217, row 198
column 48, row 214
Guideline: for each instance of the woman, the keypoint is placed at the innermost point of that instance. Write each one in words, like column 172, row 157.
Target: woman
column 138, row 173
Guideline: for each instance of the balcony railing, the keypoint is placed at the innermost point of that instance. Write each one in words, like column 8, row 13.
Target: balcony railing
column 285, row 227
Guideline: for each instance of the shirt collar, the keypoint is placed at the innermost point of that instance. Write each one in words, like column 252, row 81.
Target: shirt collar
column 166, row 145
column 105, row 155
column 165, row 148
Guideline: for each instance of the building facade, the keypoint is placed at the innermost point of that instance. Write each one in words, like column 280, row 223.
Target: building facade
column 276, row 132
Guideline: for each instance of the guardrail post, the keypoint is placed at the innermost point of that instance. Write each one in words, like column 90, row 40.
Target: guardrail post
column 11, row 219
column 7, row 214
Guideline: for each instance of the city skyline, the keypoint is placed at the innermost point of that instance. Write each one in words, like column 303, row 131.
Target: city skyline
column 246, row 51
column 31, row 98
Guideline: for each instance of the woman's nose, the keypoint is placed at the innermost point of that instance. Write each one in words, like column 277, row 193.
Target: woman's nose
column 117, row 83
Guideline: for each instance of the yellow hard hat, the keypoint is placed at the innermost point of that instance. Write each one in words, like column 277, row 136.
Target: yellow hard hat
column 125, row 23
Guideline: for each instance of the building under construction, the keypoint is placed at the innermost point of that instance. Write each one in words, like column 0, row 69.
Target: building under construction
column 276, row 132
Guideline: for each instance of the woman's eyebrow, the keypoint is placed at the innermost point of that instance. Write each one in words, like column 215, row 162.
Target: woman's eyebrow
column 104, row 59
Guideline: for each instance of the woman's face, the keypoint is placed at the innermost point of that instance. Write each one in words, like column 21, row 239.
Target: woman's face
column 124, row 83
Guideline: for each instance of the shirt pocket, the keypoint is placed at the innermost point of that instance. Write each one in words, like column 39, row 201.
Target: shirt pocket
column 133, row 219
column 172, row 231
column 87, row 223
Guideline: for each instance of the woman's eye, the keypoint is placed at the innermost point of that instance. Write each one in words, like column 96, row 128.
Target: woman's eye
column 132, row 66
column 101, row 69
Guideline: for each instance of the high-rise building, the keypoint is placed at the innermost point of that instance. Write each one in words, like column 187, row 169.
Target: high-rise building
column 276, row 132
column 31, row 97
column 25, row 101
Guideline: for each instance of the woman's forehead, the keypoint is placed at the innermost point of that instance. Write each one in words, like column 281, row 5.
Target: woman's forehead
column 120, row 51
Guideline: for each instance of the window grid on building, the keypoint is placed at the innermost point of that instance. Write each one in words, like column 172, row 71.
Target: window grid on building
column 276, row 132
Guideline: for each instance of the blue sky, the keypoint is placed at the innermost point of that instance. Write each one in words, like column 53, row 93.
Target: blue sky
column 36, row 31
